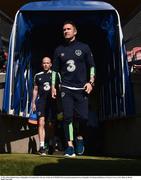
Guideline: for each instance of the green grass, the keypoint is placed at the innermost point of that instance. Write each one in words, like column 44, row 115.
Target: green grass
column 32, row 165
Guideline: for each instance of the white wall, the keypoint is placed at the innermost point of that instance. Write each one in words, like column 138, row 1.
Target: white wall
column 2, row 82
column 132, row 32
column 5, row 28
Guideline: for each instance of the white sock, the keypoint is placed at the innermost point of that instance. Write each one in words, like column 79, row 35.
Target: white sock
column 42, row 144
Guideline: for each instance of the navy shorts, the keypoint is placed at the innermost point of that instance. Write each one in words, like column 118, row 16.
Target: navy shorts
column 46, row 107
column 74, row 101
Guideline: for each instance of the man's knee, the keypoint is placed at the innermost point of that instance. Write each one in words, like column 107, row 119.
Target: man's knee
column 41, row 121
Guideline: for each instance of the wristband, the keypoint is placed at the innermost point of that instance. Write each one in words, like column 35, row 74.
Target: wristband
column 91, row 83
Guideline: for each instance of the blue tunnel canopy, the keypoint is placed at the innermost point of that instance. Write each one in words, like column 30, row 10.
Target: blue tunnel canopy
column 66, row 5
column 37, row 32
column 28, row 14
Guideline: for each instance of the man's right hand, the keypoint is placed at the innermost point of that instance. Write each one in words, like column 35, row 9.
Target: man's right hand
column 53, row 91
column 33, row 107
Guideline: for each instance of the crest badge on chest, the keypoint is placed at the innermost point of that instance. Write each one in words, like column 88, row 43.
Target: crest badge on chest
column 78, row 52
column 62, row 54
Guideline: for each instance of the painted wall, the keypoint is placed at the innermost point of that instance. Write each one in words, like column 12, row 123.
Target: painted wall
column 2, row 83
column 5, row 28
column 132, row 32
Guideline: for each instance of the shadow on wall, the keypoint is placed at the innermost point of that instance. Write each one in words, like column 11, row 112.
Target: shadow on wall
column 16, row 128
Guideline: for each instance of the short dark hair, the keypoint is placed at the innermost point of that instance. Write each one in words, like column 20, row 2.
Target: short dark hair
column 70, row 22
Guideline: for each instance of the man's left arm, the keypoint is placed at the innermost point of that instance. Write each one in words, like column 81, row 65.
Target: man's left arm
column 90, row 61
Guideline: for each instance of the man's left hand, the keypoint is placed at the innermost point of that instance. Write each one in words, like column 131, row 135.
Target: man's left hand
column 88, row 87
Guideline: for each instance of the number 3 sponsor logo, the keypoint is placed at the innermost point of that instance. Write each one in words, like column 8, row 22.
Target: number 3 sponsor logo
column 71, row 65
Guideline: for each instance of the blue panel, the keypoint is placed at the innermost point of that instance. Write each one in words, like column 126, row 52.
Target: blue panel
column 66, row 5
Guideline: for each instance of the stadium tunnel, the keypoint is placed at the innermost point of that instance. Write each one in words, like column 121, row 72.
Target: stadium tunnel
column 37, row 32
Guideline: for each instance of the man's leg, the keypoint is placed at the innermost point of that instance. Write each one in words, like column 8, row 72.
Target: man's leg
column 81, row 107
column 41, row 125
column 41, row 133
column 50, row 138
column 67, row 104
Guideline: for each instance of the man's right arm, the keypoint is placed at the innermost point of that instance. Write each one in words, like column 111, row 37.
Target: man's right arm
column 35, row 93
